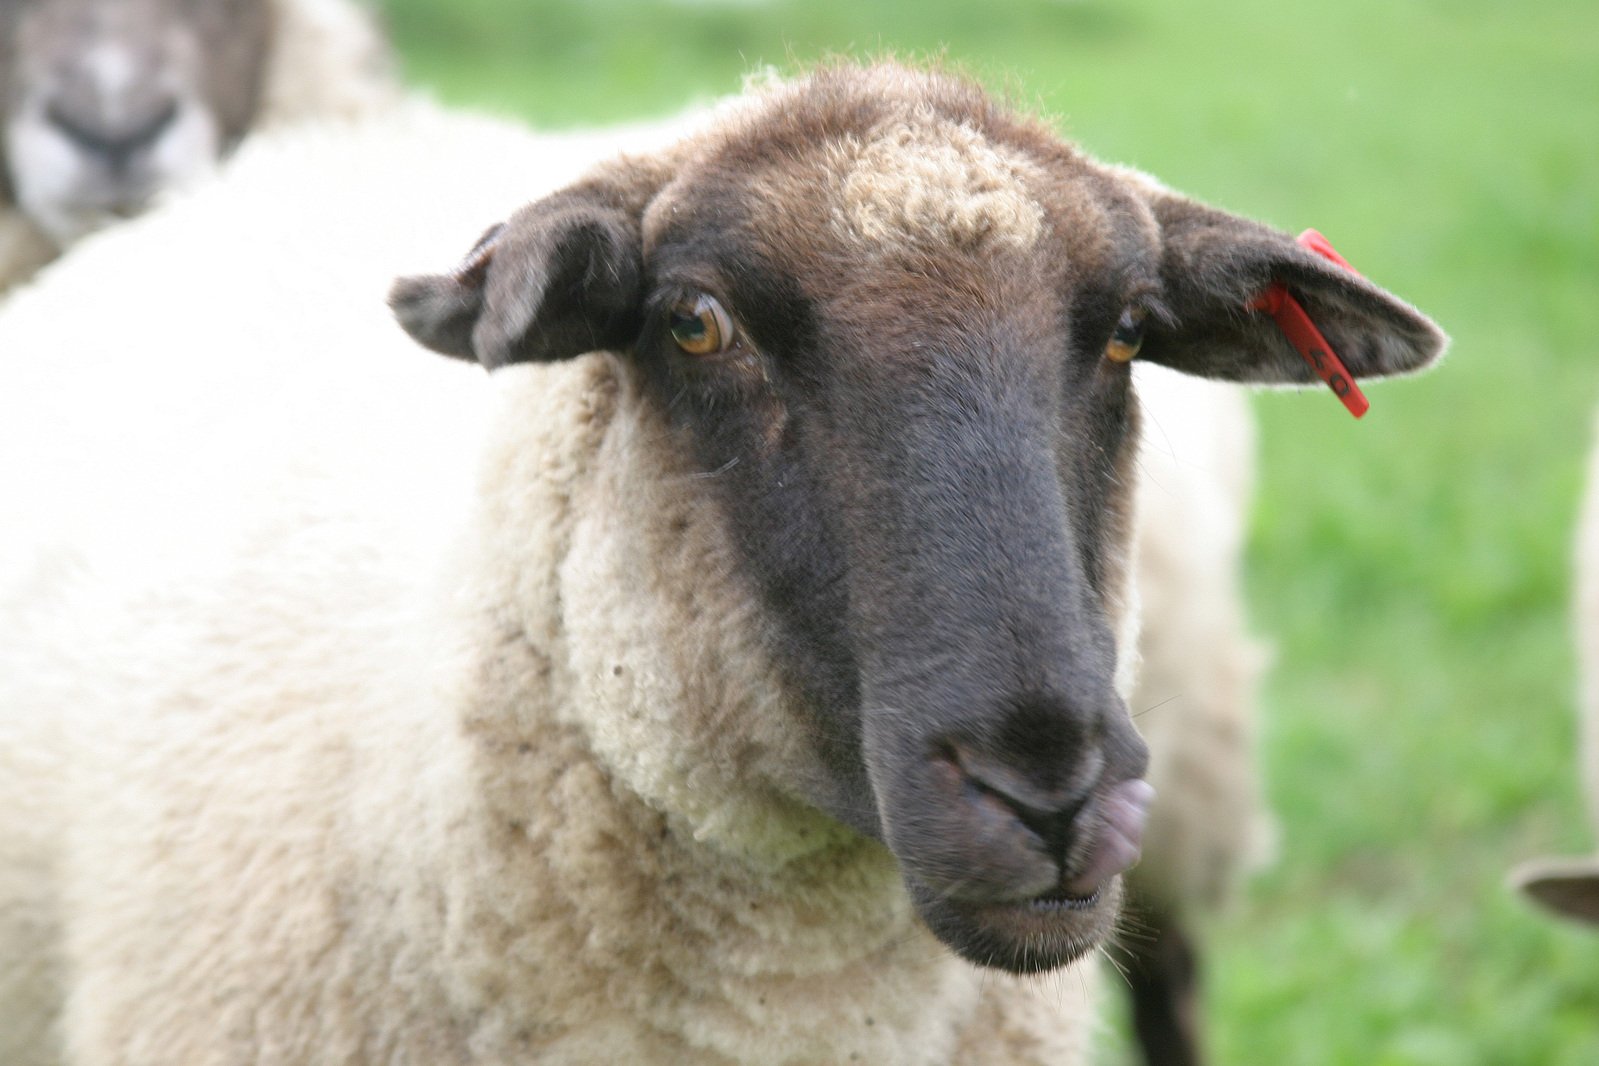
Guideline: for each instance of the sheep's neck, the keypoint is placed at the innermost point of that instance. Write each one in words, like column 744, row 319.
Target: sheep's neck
column 636, row 927
column 628, row 881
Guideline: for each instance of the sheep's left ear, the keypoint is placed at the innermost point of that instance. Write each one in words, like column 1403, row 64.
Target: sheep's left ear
column 1214, row 265
column 563, row 276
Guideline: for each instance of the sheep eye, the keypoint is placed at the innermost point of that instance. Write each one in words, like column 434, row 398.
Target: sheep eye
column 701, row 327
column 1127, row 338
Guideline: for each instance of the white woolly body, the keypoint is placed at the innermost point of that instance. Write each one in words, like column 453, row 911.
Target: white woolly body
column 328, row 61
column 358, row 707
column 1569, row 885
column 1195, row 696
column 1587, row 612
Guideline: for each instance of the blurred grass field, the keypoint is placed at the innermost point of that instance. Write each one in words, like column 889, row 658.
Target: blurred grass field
column 1412, row 569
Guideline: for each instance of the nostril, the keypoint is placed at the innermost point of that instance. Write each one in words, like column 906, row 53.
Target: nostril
column 1038, row 787
column 1091, row 833
column 1046, row 811
column 1054, row 828
column 117, row 140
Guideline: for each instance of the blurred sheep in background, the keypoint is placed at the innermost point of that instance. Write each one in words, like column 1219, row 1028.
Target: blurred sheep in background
column 1570, row 886
column 105, row 104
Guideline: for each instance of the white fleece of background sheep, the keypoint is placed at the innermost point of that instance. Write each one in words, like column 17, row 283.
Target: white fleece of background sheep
column 1569, row 884
column 1587, row 633
column 329, row 61
column 208, row 851
column 1195, row 699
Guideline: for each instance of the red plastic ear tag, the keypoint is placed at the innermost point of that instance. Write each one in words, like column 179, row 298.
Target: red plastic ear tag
column 1302, row 333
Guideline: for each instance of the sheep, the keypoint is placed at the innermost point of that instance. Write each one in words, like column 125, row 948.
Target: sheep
column 1161, row 709
column 737, row 673
column 1569, row 887
column 106, row 103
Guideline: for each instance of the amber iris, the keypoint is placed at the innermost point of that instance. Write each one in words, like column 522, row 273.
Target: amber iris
column 701, row 327
column 1127, row 338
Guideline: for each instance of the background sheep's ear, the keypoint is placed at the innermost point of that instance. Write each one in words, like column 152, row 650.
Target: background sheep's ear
column 1568, row 887
column 1214, row 264
column 564, row 276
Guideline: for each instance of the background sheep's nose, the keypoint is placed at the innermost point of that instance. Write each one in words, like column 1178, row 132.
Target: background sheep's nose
column 113, row 139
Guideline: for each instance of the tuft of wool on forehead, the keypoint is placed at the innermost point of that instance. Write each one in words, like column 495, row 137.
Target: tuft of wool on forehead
column 926, row 179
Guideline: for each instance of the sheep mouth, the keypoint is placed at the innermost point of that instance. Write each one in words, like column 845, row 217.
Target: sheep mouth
column 992, row 900
column 1033, row 935
column 1064, row 900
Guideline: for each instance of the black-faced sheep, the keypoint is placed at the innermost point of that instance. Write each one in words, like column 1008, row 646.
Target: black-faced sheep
column 106, row 103
column 760, row 700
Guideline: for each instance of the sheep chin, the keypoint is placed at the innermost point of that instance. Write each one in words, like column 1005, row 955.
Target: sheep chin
column 1023, row 936
column 1050, row 929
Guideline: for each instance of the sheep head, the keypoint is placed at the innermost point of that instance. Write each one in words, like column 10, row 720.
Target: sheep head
column 104, row 103
column 897, row 320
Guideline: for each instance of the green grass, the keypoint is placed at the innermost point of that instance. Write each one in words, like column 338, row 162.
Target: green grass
column 1412, row 569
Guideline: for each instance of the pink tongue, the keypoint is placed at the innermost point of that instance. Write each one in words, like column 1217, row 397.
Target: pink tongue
column 1124, row 810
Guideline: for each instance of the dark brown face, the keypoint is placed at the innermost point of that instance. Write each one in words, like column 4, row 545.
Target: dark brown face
column 925, row 457
column 895, row 323
column 104, row 103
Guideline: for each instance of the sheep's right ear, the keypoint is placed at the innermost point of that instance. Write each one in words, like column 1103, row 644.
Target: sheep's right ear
column 562, row 277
